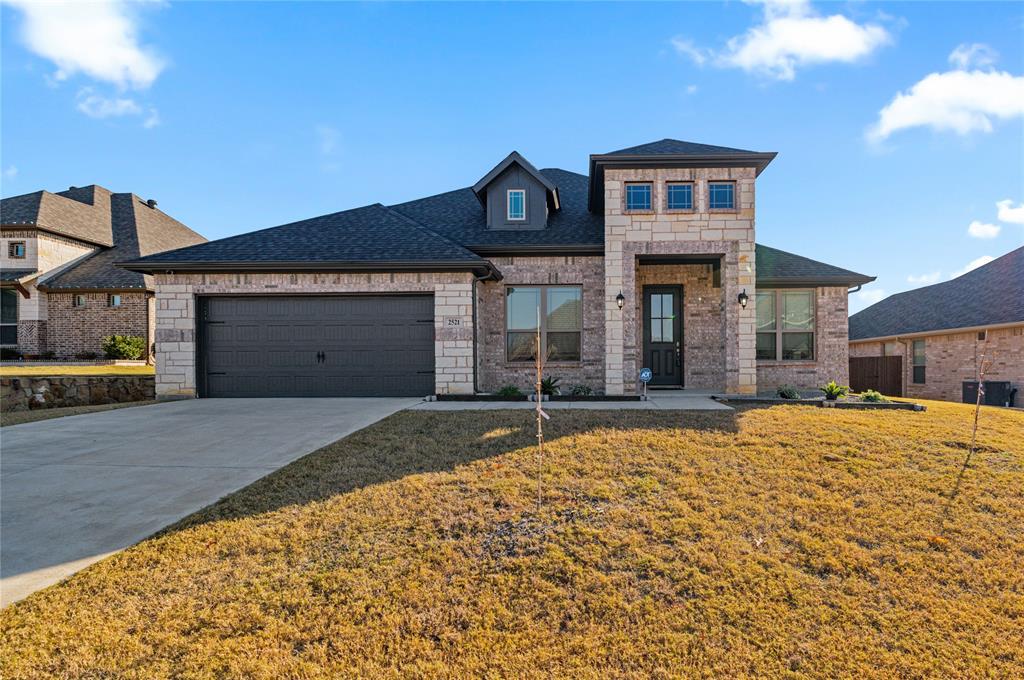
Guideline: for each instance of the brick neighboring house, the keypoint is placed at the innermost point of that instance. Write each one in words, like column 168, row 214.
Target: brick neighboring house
column 61, row 291
column 942, row 331
column 648, row 261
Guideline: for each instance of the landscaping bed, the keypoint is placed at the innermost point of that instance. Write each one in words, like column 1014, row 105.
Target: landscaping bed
column 529, row 397
column 761, row 542
column 844, row 403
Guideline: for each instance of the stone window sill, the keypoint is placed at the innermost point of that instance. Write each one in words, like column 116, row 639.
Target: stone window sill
column 638, row 212
column 723, row 211
column 787, row 362
column 547, row 364
column 680, row 211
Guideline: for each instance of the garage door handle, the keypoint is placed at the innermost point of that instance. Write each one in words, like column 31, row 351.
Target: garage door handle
column 320, row 357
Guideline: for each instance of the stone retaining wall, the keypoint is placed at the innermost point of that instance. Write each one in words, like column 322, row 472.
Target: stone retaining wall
column 22, row 393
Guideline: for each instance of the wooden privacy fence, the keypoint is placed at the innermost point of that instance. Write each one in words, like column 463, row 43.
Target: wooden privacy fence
column 884, row 374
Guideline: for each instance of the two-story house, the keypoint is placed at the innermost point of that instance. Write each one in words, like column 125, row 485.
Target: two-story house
column 61, row 293
column 650, row 261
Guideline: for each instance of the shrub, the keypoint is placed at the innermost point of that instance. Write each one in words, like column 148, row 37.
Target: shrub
column 86, row 356
column 48, row 355
column 124, row 347
column 549, row 386
column 787, row 392
column 873, row 396
column 9, row 354
column 834, row 390
column 510, row 391
column 582, row 391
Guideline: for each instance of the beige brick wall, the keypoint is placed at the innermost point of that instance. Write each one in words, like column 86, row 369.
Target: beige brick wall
column 728, row 234
column 587, row 272
column 952, row 358
column 831, row 357
column 70, row 330
column 176, row 322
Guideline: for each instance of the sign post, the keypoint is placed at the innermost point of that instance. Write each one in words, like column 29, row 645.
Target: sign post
column 645, row 377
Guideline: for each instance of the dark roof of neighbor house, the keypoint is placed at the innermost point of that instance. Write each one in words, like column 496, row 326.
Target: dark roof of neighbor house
column 676, row 147
column 371, row 237
column 122, row 225
column 8, row 275
column 775, row 267
column 989, row 295
column 443, row 228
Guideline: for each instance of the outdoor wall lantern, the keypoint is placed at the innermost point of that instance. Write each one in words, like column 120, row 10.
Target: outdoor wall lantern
column 743, row 298
column 620, row 299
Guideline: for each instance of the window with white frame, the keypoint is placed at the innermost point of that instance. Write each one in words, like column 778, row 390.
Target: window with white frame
column 516, row 205
column 785, row 325
column 113, row 300
column 560, row 318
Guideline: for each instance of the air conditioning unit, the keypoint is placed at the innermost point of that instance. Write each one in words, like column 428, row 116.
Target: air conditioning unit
column 997, row 393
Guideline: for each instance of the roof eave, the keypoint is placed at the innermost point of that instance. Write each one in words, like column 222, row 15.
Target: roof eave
column 479, row 267
column 940, row 331
column 40, row 227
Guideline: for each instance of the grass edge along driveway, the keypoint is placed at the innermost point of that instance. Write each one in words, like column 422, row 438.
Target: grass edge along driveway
column 786, row 541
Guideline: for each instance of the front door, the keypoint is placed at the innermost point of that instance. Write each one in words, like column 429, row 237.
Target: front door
column 663, row 334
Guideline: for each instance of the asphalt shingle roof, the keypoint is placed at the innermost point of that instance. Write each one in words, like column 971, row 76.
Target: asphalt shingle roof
column 81, row 213
column 373, row 233
column 778, row 265
column 676, row 147
column 989, row 295
column 15, row 274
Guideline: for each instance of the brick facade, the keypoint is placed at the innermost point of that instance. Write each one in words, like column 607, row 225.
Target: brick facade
column 952, row 358
column 831, row 358
column 72, row 330
column 176, row 322
column 728, row 235
column 588, row 272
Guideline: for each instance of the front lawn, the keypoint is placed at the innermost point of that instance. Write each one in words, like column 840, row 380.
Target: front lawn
column 14, row 370
column 787, row 541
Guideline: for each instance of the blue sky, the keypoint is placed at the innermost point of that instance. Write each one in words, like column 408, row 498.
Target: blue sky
column 240, row 116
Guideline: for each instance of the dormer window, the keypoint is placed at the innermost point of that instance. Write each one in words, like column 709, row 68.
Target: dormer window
column 516, row 205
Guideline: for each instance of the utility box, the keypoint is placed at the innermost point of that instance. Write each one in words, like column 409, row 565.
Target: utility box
column 997, row 393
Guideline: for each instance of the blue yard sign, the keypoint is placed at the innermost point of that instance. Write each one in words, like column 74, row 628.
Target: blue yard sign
column 645, row 375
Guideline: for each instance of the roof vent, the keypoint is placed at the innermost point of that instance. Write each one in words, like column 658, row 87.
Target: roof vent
column 72, row 187
column 151, row 203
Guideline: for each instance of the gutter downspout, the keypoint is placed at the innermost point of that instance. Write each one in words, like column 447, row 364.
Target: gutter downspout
column 851, row 291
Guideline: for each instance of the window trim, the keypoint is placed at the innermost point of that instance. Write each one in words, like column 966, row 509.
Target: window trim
column 17, row 315
column 508, row 205
column 11, row 245
column 778, row 331
column 693, row 196
column 110, row 300
column 735, row 195
column 543, row 288
column 78, row 300
column 923, row 365
column 625, row 198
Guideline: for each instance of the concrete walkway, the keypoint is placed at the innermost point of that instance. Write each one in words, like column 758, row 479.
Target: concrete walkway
column 74, row 490
column 660, row 400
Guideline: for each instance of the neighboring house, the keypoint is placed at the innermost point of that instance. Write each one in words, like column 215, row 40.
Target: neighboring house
column 649, row 261
column 943, row 331
column 61, row 292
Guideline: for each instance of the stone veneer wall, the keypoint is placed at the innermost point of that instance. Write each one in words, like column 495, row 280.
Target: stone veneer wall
column 71, row 330
column 831, row 349
column 630, row 234
column 703, row 320
column 588, row 272
column 176, row 323
column 21, row 393
column 952, row 358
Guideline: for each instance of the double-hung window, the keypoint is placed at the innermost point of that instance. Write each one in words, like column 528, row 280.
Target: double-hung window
column 638, row 196
column 722, row 195
column 8, row 316
column 679, row 196
column 785, row 325
column 16, row 250
column 558, row 310
column 917, row 361
column 516, row 205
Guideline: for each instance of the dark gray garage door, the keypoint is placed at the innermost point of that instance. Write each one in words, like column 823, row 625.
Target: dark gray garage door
column 338, row 346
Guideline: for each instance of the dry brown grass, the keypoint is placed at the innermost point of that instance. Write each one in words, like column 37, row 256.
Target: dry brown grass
column 14, row 370
column 669, row 545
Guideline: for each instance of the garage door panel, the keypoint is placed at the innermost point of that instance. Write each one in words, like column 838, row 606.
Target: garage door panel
column 318, row 346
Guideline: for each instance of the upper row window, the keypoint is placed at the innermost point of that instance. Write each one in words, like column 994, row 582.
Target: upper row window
column 516, row 204
column 679, row 196
column 16, row 250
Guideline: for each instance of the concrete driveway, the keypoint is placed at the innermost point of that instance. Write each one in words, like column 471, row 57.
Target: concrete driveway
column 74, row 490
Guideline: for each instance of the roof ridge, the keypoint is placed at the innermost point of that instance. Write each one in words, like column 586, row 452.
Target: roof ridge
column 423, row 227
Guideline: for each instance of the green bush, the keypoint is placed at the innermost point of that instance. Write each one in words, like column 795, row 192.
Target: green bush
column 509, row 392
column 787, row 392
column 124, row 347
column 873, row 396
column 582, row 391
column 549, row 386
column 834, row 390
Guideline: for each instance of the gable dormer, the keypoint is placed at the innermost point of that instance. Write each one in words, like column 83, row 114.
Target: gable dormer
column 515, row 195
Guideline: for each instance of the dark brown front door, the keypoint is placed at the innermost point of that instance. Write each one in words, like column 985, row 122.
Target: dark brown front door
column 663, row 334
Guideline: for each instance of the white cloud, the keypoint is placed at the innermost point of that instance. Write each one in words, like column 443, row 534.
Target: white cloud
column 973, row 264
column 98, row 39
column 1008, row 213
column 97, row 106
column 924, row 279
column 866, row 298
column 152, row 120
column 327, row 139
column 979, row 229
column 960, row 101
column 976, row 54
column 791, row 36
column 10, row 172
